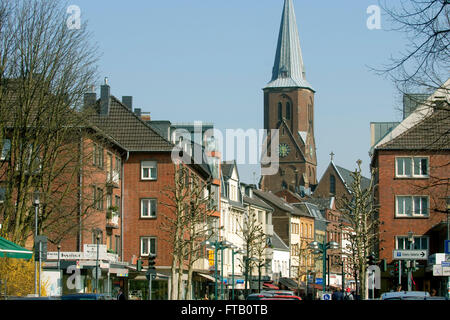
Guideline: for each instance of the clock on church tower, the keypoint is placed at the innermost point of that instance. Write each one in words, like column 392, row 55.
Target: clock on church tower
column 289, row 107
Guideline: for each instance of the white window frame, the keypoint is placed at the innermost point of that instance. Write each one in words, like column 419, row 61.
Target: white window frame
column 415, row 238
column 149, row 206
column 149, row 164
column 413, row 214
column 412, row 175
column 148, row 239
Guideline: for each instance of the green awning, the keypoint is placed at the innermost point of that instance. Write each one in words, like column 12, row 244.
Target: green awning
column 11, row 250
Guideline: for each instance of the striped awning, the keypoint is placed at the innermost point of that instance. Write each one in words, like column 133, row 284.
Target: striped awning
column 9, row 249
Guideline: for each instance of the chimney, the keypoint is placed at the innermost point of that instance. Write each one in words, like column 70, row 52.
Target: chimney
column 128, row 102
column 105, row 102
column 137, row 111
column 90, row 98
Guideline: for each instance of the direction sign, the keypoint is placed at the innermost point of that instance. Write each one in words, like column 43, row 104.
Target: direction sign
column 441, row 271
column 410, row 254
column 447, row 246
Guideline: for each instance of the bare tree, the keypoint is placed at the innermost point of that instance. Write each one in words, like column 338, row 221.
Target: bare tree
column 361, row 213
column 252, row 234
column 45, row 68
column 186, row 224
column 425, row 64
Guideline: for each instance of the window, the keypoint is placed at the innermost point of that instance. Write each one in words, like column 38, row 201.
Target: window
column 419, row 243
column 408, row 167
column 148, row 246
column 2, row 194
column 109, row 166
column 148, row 170
column 118, row 166
column 117, row 244
column 280, row 111
column 117, row 204
column 109, row 201
column 412, row 206
column 99, row 199
column 97, row 156
column 6, row 149
column 288, row 111
column 332, row 184
column 148, row 208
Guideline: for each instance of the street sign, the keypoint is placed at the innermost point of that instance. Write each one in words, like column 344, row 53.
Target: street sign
column 410, row 254
column 319, row 280
column 447, row 247
column 440, row 271
column 326, row 296
column 42, row 240
column 445, row 264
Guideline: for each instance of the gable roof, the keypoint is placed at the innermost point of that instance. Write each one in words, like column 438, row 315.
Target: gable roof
column 280, row 203
column 255, row 201
column 129, row 130
column 227, row 169
column 278, row 244
column 431, row 133
column 346, row 177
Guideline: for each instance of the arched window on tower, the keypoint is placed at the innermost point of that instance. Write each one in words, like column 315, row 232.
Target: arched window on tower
column 288, row 110
column 332, row 184
column 280, row 111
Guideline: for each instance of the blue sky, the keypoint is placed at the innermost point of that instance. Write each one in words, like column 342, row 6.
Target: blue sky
column 187, row 60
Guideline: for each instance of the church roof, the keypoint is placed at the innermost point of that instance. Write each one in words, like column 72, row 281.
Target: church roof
column 288, row 69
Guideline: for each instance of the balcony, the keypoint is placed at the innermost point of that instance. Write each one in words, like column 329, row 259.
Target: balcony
column 113, row 179
column 112, row 218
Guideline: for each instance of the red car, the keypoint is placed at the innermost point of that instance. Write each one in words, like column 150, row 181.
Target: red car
column 282, row 297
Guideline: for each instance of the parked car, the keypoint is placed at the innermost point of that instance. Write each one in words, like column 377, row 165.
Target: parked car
column 259, row 296
column 86, row 296
column 279, row 292
column 32, row 297
column 406, row 295
column 282, row 297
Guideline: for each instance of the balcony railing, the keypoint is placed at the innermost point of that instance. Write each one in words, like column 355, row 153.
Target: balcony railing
column 112, row 219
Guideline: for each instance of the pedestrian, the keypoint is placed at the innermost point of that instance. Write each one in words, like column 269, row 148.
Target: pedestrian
column 433, row 292
column 121, row 295
column 348, row 295
column 241, row 295
column 337, row 295
column 399, row 288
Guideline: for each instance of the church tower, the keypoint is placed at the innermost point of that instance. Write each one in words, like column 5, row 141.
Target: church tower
column 289, row 107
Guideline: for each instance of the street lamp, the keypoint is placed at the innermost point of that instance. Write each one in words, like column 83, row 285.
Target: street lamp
column 96, row 264
column 59, row 270
column 36, row 212
column 233, row 252
column 318, row 247
column 218, row 245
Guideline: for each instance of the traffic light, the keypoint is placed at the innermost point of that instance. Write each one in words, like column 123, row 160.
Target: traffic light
column 151, row 262
column 371, row 259
column 139, row 265
column 396, row 269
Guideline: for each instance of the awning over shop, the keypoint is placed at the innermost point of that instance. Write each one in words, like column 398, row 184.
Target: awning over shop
column 288, row 282
column 270, row 286
column 9, row 249
column 207, row 276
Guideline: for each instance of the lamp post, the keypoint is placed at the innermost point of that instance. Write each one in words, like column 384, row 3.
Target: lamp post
column 411, row 247
column 96, row 264
column 322, row 248
column 59, row 271
column 36, row 212
column 448, row 239
column 218, row 245
column 233, row 252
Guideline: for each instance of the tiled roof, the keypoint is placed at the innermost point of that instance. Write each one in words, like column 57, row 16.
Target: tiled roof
column 257, row 202
column 277, row 243
column 129, row 130
column 272, row 199
column 346, row 175
column 432, row 133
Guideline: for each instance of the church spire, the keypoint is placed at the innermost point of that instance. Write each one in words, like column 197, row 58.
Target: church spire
column 288, row 69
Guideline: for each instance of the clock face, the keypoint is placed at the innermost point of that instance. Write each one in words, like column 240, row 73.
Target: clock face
column 284, row 150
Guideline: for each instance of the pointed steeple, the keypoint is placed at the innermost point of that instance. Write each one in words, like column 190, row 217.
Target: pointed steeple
column 288, row 69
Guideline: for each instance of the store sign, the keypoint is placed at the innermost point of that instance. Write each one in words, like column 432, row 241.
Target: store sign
column 65, row 255
column 211, row 258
